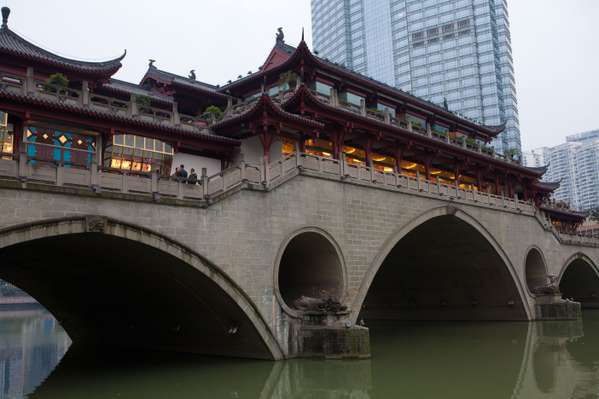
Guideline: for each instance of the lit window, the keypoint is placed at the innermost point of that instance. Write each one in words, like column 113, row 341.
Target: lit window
column 139, row 154
column 288, row 147
column 6, row 137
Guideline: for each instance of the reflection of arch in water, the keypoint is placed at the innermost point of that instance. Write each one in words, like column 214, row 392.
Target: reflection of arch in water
column 316, row 379
column 157, row 375
column 547, row 369
column 544, row 367
column 579, row 280
column 113, row 283
column 165, row 375
column 443, row 265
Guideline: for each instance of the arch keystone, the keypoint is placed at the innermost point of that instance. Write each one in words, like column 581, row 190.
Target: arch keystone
column 95, row 224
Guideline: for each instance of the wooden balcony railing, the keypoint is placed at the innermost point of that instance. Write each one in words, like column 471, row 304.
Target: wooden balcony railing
column 131, row 108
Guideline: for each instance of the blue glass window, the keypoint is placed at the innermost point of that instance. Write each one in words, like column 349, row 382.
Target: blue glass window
column 62, row 146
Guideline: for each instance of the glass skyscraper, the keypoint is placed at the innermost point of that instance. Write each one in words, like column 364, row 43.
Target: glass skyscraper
column 575, row 164
column 456, row 52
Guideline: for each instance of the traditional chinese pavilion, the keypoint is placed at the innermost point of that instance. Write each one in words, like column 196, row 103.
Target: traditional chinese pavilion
column 74, row 113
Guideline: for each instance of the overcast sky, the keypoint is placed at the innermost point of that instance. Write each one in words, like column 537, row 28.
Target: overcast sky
column 555, row 46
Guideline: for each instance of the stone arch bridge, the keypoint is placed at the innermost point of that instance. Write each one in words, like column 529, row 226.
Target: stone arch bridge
column 279, row 260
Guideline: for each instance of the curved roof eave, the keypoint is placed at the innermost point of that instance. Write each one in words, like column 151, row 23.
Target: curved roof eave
column 14, row 45
column 189, row 132
column 309, row 95
column 266, row 103
column 303, row 50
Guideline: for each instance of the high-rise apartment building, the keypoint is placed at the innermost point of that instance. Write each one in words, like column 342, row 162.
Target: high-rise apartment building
column 575, row 164
column 446, row 51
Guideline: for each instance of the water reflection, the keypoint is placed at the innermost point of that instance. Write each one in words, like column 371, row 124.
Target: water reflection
column 471, row 360
column 31, row 344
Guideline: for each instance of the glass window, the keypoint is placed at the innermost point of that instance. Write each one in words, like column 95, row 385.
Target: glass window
column 65, row 146
column 386, row 108
column 323, row 88
column 417, row 122
column 139, row 154
column 351, row 98
column 6, row 137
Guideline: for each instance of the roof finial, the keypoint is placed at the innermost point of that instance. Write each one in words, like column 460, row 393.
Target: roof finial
column 302, row 33
column 5, row 15
column 280, row 36
column 192, row 74
column 151, row 63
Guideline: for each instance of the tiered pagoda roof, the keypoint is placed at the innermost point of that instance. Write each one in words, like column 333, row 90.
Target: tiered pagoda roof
column 301, row 55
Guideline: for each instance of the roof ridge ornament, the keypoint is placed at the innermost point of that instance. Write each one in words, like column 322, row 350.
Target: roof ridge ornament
column 5, row 15
column 280, row 36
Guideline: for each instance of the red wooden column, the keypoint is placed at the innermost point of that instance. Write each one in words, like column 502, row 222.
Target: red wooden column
column 479, row 180
column 457, row 172
column 338, row 141
column 497, row 189
column 398, row 157
column 427, row 166
column 302, row 143
column 368, row 152
column 266, row 139
column 510, row 186
column 18, row 135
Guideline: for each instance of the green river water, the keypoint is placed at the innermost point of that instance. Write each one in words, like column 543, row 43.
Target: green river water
column 414, row 360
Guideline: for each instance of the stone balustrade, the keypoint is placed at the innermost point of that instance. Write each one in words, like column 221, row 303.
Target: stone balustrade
column 265, row 177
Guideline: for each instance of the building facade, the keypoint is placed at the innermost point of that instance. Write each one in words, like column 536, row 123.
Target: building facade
column 575, row 164
column 456, row 53
column 74, row 114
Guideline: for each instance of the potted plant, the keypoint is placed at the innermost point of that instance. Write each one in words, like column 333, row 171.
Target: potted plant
column 57, row 83
column 288, row 79
column 512, row 154
column 417, row 125
column 488, row 150
column 213, row 113
column 142, row 101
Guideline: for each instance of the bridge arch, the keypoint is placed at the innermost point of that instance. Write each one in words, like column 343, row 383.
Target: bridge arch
column 112, row 282
column 535, row 269
column 309, row 263
column 579, row 280
column 462, row 226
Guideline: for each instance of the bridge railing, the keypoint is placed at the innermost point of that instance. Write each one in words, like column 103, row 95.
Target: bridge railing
column 578, row 239
column 263, row 176
column 358, row 173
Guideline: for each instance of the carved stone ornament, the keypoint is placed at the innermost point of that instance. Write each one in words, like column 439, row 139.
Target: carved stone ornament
column 452, row 210
column 95, row 224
